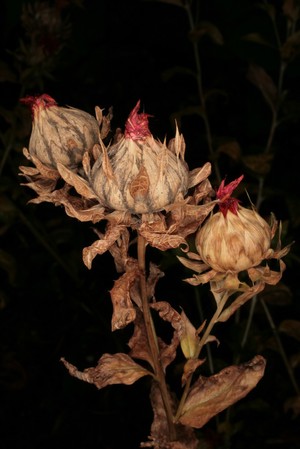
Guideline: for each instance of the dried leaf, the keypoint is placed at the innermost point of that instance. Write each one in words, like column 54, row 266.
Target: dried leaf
column 189, row 368
column 210, row 395
column 111, row 369
column 123, row 310
column 186, row 332
column 168, row 351
column 119, row 250
column 138, row 342
column 154, row 275
column 186, row 438
column 162, row 241
column 101, row 246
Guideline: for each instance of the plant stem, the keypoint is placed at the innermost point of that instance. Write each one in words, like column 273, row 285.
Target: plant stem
column 214, row 319
column 152, row 338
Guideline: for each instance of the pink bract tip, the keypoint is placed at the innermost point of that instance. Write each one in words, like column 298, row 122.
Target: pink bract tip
column 38, row 102
column 136, row 126
column 224, row 195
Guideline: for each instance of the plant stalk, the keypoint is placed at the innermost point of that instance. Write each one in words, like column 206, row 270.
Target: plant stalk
column 202, row 342
column 152, row 338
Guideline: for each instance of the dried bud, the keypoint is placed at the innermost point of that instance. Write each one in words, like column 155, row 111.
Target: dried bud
column 235, row 238
column 138, row 173
column 60, row 134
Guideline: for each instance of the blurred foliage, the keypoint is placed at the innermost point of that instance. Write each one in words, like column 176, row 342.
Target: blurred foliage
column 229, row 74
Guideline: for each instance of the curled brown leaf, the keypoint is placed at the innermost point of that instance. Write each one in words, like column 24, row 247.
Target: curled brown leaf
column 210, row 395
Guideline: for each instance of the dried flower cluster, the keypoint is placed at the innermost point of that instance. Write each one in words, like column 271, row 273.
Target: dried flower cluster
column 141, row 183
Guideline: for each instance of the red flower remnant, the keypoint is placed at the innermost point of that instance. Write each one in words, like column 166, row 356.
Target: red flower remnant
column 223, row 194
column 136, row 127
column 37, row 103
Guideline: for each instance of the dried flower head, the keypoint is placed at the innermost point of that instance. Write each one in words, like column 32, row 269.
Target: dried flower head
column 137, row 182
column 235, row 238
column 138, row 173
column 59, row 134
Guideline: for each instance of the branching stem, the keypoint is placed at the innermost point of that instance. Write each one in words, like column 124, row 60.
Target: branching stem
column 202, row 342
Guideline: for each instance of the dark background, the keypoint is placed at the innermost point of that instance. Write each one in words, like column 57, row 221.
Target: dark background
column 112, row 53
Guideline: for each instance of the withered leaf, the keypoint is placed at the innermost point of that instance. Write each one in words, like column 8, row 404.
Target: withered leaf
column 138, row 342
column 154, row 275
column 186, row 332
column 111, row 369
column 210, row 395
column 163, row 241
column 102, row 245
column 123, row 310
column 119, row 250
column 189, row 368
column 186, row 438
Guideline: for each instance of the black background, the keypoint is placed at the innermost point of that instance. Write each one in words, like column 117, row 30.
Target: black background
column 113, row 53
